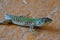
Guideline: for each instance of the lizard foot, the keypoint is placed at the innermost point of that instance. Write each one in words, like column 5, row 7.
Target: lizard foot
column 32, row 31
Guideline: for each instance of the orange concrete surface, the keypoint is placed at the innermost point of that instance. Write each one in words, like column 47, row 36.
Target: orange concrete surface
column 31, row 8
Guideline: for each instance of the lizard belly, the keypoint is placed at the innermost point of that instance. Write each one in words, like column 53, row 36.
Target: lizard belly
column 18, row 23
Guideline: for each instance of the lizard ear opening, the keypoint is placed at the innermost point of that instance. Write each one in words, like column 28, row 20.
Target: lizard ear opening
column 7, row 17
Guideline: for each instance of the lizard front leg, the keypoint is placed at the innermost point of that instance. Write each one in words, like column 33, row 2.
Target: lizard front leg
column 32, row 29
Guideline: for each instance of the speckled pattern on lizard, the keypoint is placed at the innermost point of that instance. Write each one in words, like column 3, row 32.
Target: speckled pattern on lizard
column 25, row 21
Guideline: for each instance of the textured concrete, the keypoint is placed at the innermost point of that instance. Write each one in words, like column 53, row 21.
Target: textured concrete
column 31, row 8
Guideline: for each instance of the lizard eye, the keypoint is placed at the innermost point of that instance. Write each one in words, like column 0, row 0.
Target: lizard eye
column 45, row 21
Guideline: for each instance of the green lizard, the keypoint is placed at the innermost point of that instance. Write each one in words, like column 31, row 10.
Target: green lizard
column 26, row 21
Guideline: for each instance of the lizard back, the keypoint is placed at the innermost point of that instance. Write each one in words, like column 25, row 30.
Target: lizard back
column 20, row 20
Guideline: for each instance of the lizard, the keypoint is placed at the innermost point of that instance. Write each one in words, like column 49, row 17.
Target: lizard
column 26, row 21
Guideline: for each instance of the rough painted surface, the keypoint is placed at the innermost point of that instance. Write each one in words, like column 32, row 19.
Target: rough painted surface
column 31, row 8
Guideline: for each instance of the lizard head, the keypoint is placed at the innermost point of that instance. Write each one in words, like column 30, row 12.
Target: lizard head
column 47, row 20
column 43, row 21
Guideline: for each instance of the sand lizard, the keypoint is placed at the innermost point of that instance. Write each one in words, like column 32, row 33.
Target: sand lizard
column 26, row 21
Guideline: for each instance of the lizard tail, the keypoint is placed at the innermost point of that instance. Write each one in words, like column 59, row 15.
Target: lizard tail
column 7, row 17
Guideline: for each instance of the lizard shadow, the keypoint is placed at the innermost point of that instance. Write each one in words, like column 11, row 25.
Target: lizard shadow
column 47, row 28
